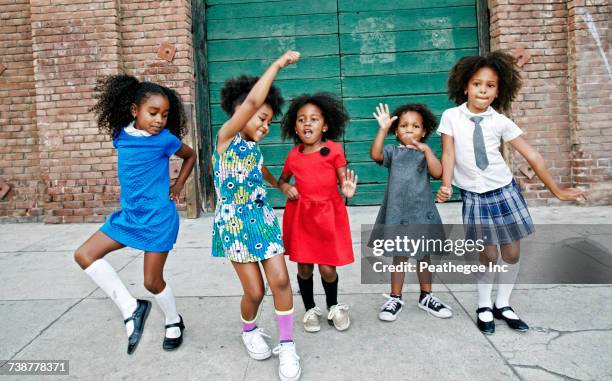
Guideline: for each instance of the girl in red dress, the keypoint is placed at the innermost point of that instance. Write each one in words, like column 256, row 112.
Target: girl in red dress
column 315, row 224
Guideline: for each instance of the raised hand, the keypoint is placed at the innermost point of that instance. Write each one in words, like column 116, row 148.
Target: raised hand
column 571, row 194
column 290, row 57
column 444, row 193
column 383, row 117
column 349, row 185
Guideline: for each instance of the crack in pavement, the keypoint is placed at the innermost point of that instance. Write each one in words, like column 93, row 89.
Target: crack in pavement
column 538, row 367
column 561, row 333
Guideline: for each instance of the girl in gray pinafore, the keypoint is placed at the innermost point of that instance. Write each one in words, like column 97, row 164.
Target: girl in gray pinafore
column 408, row 198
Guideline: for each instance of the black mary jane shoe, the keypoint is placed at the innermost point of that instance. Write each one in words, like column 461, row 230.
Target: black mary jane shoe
column 516, row 324
column 486, row 327
column 171, row 344
column 143, row 307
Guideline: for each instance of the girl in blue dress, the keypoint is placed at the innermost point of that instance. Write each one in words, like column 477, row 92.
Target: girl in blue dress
column 245, row 229
column 146, row 122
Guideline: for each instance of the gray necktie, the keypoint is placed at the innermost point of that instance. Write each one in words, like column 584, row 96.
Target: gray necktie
column 480, row 153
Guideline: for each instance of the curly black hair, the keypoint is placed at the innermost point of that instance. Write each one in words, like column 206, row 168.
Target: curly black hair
column 429, row 119
column 117, row 93
column 331, row 107
column 502, row 63
column 235, row 91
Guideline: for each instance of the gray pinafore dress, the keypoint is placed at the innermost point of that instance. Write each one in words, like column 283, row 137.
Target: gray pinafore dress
column 408, row 197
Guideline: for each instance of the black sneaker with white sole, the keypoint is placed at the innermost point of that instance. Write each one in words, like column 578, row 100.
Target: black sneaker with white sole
column 435, row 306
column 391, row 308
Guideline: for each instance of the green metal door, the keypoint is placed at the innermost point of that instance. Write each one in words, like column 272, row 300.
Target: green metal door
column 364, row 51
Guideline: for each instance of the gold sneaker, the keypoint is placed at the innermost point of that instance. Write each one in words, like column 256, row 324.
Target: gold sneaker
column 338, row 316
column 311, row 320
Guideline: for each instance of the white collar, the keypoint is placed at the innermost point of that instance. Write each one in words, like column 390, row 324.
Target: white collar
column 489, row 111
column 133, row 131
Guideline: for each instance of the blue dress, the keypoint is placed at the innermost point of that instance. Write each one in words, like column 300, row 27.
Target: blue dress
column 148, row 219
column 245, row 227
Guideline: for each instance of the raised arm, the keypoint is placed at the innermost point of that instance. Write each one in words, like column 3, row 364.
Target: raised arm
column 253, row 101
column 537, row 163
column 433, row 164
column 384, row 123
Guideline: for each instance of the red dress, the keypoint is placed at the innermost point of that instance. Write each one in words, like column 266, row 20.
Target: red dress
column 315, row 226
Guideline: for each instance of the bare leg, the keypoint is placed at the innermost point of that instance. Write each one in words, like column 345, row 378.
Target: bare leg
column 253, row 288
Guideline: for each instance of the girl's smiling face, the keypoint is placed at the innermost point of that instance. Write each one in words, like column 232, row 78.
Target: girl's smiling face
column 152, row 114
column 410, row 126
column 259, row 125
column 482, row 90
column 310, row 124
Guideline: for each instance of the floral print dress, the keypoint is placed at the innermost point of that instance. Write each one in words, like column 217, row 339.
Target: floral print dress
column 245, row 227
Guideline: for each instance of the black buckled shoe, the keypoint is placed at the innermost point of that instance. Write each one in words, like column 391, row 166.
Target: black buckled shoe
column 516, row 324
column 171, row 344
column 486, row 327
column 139, row 317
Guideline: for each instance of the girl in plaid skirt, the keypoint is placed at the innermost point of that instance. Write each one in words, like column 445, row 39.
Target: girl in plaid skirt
column 492, row 200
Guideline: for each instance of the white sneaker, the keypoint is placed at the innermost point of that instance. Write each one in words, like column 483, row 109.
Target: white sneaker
column 289, row 368
column 338, row 316
column 256, row 345
column 391, row 308
column 435, row 307
column 311, row 320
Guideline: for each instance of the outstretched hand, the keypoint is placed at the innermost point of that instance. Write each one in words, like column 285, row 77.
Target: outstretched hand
column 572, row 194
column 383, row 117
column 290, row 57
column 349, row 185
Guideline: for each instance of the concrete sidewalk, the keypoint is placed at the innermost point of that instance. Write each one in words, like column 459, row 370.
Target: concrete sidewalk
column 51, row 310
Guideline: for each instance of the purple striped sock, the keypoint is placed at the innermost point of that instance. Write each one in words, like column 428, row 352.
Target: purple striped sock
column 285, row 325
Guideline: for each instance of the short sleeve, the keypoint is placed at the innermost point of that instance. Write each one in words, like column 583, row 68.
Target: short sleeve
column 388, row 155
column 173, row 144
column 510, row 130
column 339, row 158
column 445, row 126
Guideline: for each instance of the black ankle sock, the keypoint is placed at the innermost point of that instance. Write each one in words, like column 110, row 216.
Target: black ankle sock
column 306, row 292
column 331, row 291
column 399, row 296
column 424, row 294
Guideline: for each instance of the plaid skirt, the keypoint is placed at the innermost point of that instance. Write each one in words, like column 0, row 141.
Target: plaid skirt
column 497, row 217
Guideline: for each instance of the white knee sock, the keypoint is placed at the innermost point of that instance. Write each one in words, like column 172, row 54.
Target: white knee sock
column 485, row 286
column 166, row 302
column 103, row 274
column 506, row 281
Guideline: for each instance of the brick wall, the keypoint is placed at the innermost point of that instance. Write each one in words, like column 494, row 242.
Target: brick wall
column 76, row 161
column 590, row 96
column 19, row 162
column 61, row 169
column 52, row 154
column 542, row 109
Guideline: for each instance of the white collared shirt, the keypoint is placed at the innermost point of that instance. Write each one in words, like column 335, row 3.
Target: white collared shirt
column 456, row 122
column 133, row 131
